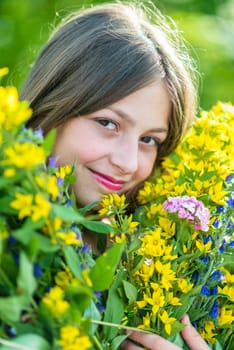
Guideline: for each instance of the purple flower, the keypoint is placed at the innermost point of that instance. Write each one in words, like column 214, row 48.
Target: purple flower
column 60, row 181
column 191, row 209
column 52, row 162
column 230, row 202
column 39, row 132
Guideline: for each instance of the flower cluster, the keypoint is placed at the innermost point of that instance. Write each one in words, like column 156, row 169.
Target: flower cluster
column 180, row 258
column 173, row 255
column 48, row 277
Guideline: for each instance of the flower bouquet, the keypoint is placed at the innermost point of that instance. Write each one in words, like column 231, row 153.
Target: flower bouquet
column 173, row 255
column 180, row 256
column 50, row 284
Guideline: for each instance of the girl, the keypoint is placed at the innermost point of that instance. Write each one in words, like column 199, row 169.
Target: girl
column 119, row 91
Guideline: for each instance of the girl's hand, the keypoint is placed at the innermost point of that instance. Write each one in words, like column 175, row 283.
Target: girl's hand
column 155, row 342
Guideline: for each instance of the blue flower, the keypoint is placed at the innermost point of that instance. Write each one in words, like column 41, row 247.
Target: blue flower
column 208, row 239
column 205, row 290
column 38, row 272
column 205, row 259
column 69, row 203
column 222, row 246
column 217, row 275
column 215, row 310
column 85, row 248
column 214, row 290
column 216, row 223
column 220, row 208
column 11, row 240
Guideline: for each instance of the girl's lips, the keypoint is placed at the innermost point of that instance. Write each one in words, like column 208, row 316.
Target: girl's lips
column 109, row 182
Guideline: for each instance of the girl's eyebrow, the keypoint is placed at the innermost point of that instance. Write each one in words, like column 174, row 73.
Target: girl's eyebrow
column 126, row 117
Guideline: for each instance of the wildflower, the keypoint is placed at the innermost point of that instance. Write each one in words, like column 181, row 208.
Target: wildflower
column 168, row 321
column 112, row 203
column 41, row 208
column 205, row 290
column 191, row 209
column 208, row 333
column 70, row 238
column 72, row 339
column 24, row 155
column 225, row 317
column 55, row 302
column 215, row 310
column 22, row 203
column 38, row 272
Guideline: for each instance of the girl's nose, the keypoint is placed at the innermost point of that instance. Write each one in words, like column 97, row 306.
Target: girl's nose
column 125, row 156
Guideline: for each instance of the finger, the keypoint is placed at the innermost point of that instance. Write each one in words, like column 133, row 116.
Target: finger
column 129, row 345
column 192, row 337
column 153, row 341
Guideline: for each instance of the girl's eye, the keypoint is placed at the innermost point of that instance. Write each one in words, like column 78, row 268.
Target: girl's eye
column 151, row 141
column 108, row 123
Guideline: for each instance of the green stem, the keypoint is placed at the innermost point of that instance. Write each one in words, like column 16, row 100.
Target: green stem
column 109, row 324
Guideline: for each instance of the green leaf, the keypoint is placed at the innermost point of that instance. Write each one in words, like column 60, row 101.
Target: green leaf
column 45, row 245
column 88, row 207
column 175, row 158
column 130, row 291
column 117, row 341
column 102, row 272
column 49, row 141
column 67, row 214
column 26, row 280
column 29, row 341
column 73, row 262
column 11, row 308
column 27, row 230
column 114, row 307
column 208, row 175
column 97, row 226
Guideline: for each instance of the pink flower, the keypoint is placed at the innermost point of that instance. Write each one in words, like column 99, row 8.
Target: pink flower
column 191, row 209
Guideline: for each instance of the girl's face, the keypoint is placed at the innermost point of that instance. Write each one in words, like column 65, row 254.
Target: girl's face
column 115, row 148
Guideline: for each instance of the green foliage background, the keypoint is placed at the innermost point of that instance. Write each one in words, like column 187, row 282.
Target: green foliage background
column 208, row 26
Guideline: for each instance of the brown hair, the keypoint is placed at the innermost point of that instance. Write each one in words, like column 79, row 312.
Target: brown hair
column 103, row 54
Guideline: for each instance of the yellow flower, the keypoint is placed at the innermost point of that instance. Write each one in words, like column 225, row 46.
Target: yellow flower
column 112, row 203
column 22, row 203
column 72, row 339
column 173, row 300
column 168, row 321
column 64, row 171
column 85, row 274
column 41, row 208
column 24, row 155
column 225, row 317
column 204, row 247
column 70, row 238
column 10, row 172
column 4, row 71
column 184, row 285
column 55, row 302
column 208, row 331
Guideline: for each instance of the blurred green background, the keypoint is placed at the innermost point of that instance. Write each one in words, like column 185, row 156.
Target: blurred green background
column 208, row 26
